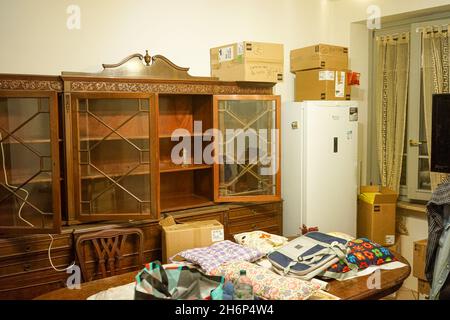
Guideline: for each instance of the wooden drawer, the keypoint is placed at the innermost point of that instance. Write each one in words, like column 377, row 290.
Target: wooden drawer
column 255, row 213
column 22, row 246
column 30, row 290
column 31, row 278
column 34, row 262
column 202, row 217
column 253, row 226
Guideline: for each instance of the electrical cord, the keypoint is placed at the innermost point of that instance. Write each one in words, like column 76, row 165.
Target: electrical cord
column 19, row 212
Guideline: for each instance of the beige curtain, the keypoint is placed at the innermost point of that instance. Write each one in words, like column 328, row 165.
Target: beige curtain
column 391, row 103
column 435, row 78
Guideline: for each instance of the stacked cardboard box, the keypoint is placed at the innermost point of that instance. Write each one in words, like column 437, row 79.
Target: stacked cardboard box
column 321, row 73
column 420, row 252
column 248, row 61
column 376, row 214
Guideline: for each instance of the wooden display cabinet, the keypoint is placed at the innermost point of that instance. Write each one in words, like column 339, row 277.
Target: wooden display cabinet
column 30, row 178
column 253, row 175
column 83, row 152
column 113, row 147
column 135, row 139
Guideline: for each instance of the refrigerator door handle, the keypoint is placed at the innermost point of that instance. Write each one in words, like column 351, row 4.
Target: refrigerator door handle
column 335, row 143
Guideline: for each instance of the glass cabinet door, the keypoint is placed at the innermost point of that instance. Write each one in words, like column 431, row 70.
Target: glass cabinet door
column 113, row 137
column 29, row 160
column 247, row 148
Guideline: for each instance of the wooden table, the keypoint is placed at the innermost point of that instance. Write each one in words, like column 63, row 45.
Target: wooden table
column 353, row 289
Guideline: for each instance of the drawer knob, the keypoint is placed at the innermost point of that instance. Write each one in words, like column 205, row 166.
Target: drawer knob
column 26, row 267
column 28, row 248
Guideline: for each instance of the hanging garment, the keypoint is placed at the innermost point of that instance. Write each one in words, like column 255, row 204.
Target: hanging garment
column 437, row 265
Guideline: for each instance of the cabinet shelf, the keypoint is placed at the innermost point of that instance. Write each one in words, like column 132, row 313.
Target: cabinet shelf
column 136, row 172
column 165, row 167
column 115, row 138
column 175, row 202
column 29, row 141
column 169, row 135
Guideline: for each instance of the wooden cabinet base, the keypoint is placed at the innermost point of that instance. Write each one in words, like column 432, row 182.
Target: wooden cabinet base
column 26, row 273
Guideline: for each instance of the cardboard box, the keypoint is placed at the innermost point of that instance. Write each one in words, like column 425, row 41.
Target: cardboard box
column 322, row 85
column 419, row 257
column 397, row 246
column 321, row 56
column 179, row 237
column 248, row 61
column 376, row 216
column 423, row 287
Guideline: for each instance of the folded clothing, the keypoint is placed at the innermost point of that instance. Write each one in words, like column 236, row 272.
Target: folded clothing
column 261, row 241
column 211, row 257
column 266, row 284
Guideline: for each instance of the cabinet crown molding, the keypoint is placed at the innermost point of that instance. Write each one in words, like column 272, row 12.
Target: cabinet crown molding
column 143, row 67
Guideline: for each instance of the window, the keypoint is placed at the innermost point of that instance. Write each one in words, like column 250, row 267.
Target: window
column 415, row 181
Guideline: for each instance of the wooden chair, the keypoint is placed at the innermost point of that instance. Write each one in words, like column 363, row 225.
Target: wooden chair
column 108, row 248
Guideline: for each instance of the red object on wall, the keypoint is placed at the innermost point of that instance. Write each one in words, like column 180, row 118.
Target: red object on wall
column 353, row 78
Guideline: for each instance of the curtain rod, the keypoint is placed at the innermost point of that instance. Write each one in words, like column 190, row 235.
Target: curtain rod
column 394, row 36
column 433, row 28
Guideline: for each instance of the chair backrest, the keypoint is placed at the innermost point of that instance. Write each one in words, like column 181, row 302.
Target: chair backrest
column 108, row 249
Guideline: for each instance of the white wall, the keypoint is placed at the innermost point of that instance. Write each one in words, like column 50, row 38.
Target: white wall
column 35, row 38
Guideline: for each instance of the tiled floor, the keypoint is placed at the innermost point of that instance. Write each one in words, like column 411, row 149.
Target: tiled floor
column 403, row 294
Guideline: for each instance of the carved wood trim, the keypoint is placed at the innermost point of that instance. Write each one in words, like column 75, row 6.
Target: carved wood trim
column 170, row 88
column 30, row 85
column 125, row 60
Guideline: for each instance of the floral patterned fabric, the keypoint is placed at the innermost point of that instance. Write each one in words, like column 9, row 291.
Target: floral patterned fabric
column 211, row 257
column 363, row 253
column 266, row 284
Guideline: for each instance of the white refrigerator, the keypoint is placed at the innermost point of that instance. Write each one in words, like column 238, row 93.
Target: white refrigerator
column 320, row 166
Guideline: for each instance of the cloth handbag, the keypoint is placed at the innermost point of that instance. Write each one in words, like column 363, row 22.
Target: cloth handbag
column 309, row 255
column 175, row 282
column 211, row 257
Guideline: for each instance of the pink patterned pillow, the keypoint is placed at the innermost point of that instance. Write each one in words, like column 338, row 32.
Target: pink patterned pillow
column 267, row 284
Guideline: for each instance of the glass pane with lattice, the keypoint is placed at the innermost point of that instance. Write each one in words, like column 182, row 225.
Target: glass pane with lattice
column 114, row 156
column 248, row 147
column 26, row 195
